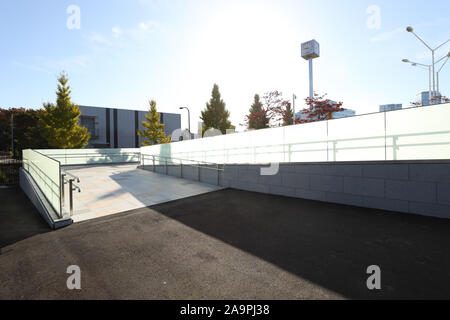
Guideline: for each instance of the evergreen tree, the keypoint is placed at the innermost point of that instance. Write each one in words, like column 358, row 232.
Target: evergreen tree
column 59, row 123
column 153, row 131
column 288, row 115
column 215, row 115
column 258, row 117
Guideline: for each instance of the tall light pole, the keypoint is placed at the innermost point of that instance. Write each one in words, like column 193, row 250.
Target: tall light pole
column 411, row 30
column 428, row 66
column 293, row 107
column 440, row 69
column 189, row 120
column 310, row 51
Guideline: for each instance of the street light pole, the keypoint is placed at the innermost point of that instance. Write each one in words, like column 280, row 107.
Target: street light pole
column 293, row 107
column 189, row 120
column 428, row 66
column 440, row 69
column 411, row 30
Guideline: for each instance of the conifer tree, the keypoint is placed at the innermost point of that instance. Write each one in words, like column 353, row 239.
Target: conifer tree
column 288, row 115
column 59, row 123
column 258, row 117
column 153, row 131
column 215, row 115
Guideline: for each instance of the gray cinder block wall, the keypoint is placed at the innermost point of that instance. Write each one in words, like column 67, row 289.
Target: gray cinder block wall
column 411, row 187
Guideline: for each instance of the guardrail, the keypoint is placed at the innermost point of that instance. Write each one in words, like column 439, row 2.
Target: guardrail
column 168, row 161
column 80, row 158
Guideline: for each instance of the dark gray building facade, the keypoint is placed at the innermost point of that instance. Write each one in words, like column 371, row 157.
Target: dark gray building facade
column 117, row 128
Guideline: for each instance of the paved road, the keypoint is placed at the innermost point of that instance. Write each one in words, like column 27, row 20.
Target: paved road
column 19, row 219
column 235, row 245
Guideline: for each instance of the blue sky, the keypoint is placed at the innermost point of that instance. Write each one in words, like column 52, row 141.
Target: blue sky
column 127, row 52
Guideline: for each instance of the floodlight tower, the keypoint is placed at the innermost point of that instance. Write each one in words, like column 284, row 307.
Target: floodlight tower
column 310, row 51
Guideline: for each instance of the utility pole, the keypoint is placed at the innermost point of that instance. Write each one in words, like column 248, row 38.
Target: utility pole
column 12, row 134
column 293, row 107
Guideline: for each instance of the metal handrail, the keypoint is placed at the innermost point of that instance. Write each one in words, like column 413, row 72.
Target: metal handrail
column 212, row 166
column 189, row 160
column 72, row 187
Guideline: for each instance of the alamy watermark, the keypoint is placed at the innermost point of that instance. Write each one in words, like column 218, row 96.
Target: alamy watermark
column 374, row 280
column 374, row 20
column 74, row 280
column 74, row 20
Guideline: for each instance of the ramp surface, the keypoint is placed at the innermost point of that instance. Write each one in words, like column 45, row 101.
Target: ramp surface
column 109, row 189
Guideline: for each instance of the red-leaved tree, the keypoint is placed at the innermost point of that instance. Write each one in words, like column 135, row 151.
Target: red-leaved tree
column 319, row 108
column 273, row 111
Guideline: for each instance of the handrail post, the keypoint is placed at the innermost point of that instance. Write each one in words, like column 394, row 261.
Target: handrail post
column 63, row 196
column 198, row 170
column 166, row 166
column 154, row 169
column 218, row 174
column 71, row 196
column 181, row 169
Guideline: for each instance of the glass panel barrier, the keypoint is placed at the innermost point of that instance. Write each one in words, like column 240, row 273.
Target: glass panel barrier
column 408, row 134
column 418, row 133
column 46, row 173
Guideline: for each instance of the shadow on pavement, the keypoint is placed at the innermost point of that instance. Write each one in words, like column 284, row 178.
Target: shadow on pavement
column 19, row 219
column 328, row 244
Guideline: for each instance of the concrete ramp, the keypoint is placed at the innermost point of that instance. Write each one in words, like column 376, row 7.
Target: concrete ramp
column 109, row 189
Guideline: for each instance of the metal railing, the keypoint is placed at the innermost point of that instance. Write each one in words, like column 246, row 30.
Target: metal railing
column 68, row 178
column 169, row 161
column 95, row 157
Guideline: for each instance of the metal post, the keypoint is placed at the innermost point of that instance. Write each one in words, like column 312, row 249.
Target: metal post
column 218, row 174
column 63, row 196
column 71, row 196
column 429, row 85
column 154, row 169
column 12, row 134
column 166, row 166
column 293, row 107
column 434, row 83
column 198, row 170
column 181, row 169
column 311, row 90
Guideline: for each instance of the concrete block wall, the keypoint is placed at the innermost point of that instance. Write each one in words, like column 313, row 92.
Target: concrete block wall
column 187, row 172
column 411, row 187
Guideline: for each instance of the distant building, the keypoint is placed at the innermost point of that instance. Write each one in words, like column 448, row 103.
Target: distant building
column 343, row 114
column 424, row 100
column 117, row 128
column 390, row 107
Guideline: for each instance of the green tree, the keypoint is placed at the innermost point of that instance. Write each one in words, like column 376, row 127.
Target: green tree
column 288, row 115
column 59, row 123
column 215, row 115
column 27, row 134
column 153, row 131
column 258, row 117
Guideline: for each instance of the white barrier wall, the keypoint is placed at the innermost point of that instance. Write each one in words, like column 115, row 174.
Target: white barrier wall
column 46, row 172
column 410, row 134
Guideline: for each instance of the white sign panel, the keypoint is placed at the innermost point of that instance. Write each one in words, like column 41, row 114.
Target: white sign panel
column 310, row 50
